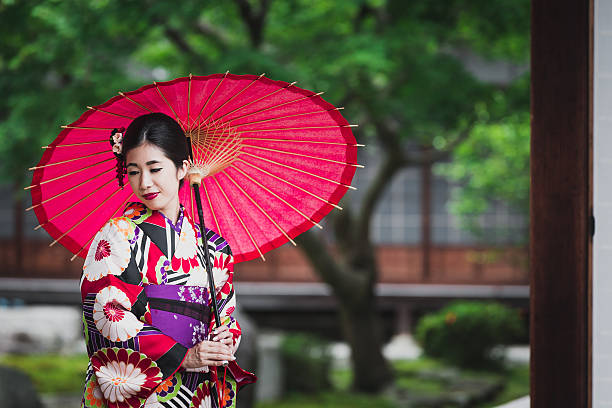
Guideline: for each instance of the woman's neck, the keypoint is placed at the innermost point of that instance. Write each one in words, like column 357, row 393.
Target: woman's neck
column 171, row 211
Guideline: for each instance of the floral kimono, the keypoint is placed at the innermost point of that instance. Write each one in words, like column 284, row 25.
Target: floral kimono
column 145, row 303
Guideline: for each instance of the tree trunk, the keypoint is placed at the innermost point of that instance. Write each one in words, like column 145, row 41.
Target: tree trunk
column 361, row 327
column 18, row 238
column 353, row 287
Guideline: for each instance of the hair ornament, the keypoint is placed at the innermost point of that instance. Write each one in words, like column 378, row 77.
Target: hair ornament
column 116, row 141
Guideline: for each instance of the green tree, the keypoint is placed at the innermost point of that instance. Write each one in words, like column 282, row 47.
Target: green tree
column 492, row 165
column 398, row 68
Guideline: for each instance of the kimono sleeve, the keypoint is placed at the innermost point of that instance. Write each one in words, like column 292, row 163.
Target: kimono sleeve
column 223, row 272
column 129, row 356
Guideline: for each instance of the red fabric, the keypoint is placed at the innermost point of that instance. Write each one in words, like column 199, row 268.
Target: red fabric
column 285, row 132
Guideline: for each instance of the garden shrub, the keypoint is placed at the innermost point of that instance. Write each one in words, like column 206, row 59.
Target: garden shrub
column 465, row 333
column 306, row 363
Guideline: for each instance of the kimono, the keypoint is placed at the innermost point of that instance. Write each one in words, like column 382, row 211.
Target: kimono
column 146, row 301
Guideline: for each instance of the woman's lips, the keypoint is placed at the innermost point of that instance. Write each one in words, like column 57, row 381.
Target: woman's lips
column 150, row 196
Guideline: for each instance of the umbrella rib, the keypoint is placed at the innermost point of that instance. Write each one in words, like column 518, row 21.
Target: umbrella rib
column 233, row 96
column 212, row 210
column 209, row 97
column 109, row 113
column 223, row 153
column 282, row 117
column 261, row 209
column 289, row 183
column 304, row 155
column 84, row 218
column 74, row 204
column 171, row 108
column 300, row 170
column 240, row 219
column 83, row 247
column 94, row 235
column 134, row 102
column 67, row 174
column 76, row 144
column 189, row 100
column 283, row 200
column 256, row 100
column 297, row 128
column 70, row 189
column 66, row 161
column 85, row 127
column 278, row 105
column 265, row 139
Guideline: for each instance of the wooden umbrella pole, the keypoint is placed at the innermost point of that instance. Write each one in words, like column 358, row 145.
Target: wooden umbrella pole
column 195, row 180
column 211, row 281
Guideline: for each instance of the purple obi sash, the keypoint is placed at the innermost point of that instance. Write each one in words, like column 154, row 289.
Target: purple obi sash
column 181, row 312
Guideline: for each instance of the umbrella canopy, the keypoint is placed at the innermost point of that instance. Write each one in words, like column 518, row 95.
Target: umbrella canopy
column 276, row 160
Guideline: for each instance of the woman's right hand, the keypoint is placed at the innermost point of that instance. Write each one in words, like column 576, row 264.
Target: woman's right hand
column 208, row 353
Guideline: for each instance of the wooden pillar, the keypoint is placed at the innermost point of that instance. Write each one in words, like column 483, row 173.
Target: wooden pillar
column 560, row 202
column 426, row 221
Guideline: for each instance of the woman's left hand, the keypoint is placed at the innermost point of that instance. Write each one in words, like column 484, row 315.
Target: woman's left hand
column 223, row 335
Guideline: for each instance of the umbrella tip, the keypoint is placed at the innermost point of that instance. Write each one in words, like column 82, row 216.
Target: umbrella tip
column 120, row 93
column 293, row 83
column 227, row 72
column 190, row 75
column 89, row 107
column 262, row 75
column 64, row 126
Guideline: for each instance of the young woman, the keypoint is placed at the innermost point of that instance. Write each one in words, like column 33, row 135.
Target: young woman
column 147, row 318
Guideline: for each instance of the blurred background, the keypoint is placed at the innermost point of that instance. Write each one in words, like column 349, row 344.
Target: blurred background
column 419, row 293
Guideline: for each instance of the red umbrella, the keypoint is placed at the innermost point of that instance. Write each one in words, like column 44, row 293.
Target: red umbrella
column 276, row 159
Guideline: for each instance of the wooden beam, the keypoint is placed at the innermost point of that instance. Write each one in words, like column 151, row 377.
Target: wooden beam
column 560, row 202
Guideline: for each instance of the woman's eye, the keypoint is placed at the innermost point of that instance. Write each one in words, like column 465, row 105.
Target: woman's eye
column 132, row 173
column 155, row 170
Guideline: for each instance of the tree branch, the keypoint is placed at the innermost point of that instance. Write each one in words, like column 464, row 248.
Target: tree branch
column 213, row 33
column 344, row 284
column 254, row 19
column 390, row 166
column 432, row 155
column 176, row 37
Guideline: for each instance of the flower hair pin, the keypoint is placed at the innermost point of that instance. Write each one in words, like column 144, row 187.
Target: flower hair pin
column 116, row 141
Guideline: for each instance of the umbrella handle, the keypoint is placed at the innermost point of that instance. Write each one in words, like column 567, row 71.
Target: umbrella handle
column 211, row 281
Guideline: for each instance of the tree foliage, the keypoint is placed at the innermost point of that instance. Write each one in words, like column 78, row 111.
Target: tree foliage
column 397, row 67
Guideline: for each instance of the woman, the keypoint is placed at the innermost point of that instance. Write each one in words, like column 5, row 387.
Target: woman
column 146, row 307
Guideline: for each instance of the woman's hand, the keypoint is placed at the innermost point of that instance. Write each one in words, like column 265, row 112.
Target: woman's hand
column 223, row 335
column 208, row 353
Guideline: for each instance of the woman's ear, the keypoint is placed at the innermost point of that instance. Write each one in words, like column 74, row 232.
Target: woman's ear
column 182, row 171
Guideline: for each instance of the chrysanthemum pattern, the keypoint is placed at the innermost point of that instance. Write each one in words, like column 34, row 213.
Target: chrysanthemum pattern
column 185, row 256
column 125, row 376
column 117, row 315
column 109, row 253
column 137, row 212
column 111, row 314
column 93, row 397
column 201, row 397
column 169, row 388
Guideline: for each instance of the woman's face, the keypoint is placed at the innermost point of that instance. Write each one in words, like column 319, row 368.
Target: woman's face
column 154, row 178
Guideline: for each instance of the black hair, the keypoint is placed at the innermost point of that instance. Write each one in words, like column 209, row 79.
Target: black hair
column 158, row 129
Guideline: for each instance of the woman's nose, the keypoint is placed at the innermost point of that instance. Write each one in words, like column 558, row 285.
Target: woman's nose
column 145, row 180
